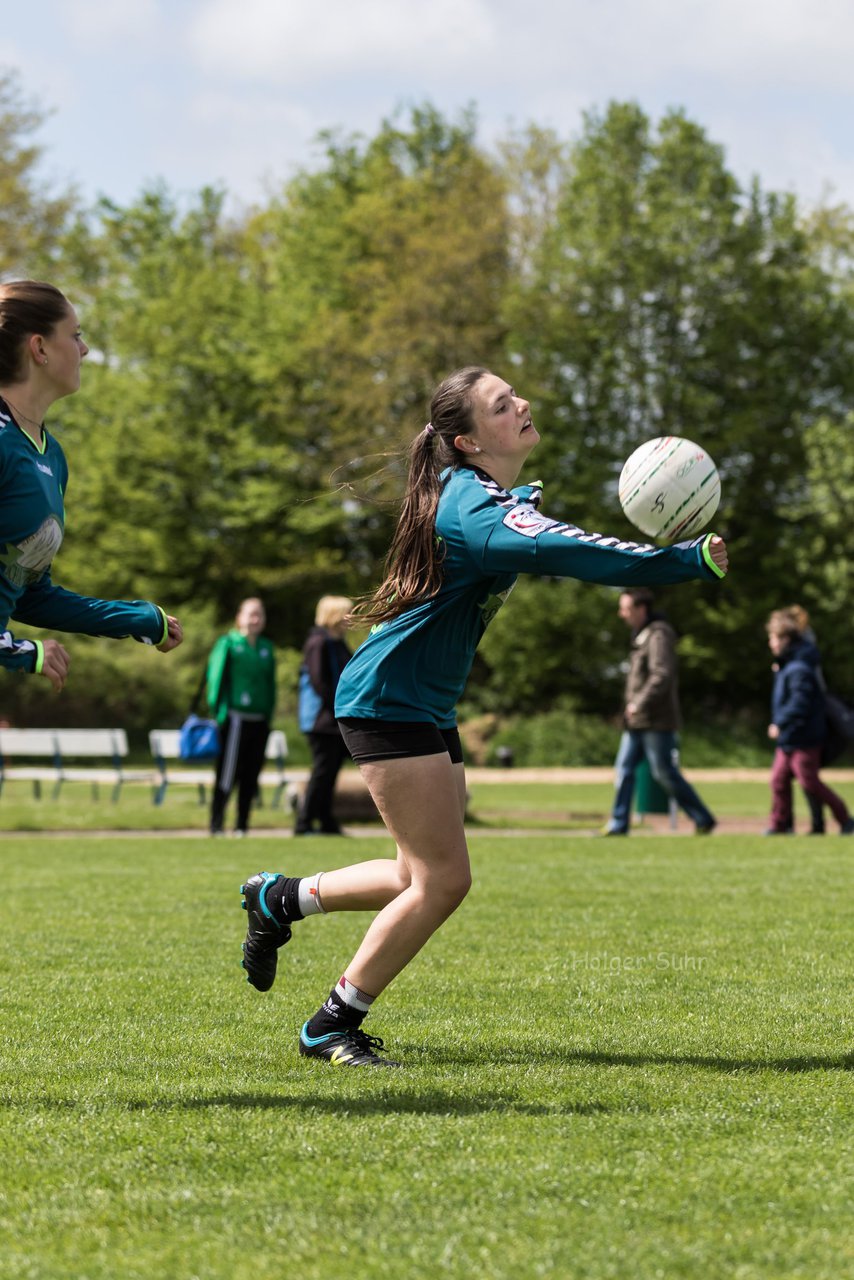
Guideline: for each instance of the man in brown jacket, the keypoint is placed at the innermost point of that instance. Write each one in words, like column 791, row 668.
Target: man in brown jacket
column 651, row 716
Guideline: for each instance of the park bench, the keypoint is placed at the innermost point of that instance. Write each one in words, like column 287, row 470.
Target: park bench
column 165, row 746
column 59, row 746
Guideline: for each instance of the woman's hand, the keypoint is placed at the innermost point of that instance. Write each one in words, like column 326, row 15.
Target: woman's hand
column 55, row 663
column 718, row 552
column 174, row 634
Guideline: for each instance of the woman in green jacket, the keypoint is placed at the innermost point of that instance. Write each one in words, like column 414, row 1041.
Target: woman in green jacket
column 241, row 684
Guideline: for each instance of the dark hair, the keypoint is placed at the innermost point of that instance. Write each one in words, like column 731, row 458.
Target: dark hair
column 26, row 307
column 640, row 596
column 413, row 567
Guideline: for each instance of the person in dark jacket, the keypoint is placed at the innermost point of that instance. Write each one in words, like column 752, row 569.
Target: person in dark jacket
column 651, row 716
column 798, row 726
column 324, row 657
column 811, row 654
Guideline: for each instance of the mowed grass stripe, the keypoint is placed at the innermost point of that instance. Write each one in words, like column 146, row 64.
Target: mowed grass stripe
column 623, row 1060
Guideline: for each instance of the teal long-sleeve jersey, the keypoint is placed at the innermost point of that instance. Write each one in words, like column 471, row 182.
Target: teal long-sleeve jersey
column 33, row 481
column 414, row 668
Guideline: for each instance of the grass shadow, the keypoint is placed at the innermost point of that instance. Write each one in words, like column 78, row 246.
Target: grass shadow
column 431, row 1103
column 436, row 1103
column 727, row 1066
column 806, row 1062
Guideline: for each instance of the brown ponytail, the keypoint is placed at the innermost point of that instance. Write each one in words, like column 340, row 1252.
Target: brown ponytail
column 413, row 567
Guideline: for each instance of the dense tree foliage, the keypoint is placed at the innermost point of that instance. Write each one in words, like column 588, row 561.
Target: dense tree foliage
column 254, row 381
column 244, row 371
column 662, row 300
column 31, row 216
column 180, row 477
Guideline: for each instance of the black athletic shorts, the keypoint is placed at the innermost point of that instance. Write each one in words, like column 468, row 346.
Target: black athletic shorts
column 368, row 740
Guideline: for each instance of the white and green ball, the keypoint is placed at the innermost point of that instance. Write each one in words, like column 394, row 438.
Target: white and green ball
column 670, row 488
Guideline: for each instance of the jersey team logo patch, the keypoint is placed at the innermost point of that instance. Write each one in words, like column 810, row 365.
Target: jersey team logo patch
column 527, row 521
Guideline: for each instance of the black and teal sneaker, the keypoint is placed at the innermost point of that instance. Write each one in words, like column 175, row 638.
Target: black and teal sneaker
column 349, row 1047
column 264, row 934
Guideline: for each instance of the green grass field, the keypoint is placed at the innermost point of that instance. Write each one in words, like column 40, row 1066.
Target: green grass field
column 587, row 804
column 78, row 808
column 623, row 1059
column 499, row 804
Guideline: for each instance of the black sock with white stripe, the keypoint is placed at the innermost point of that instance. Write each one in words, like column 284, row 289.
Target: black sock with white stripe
column 344, row 1009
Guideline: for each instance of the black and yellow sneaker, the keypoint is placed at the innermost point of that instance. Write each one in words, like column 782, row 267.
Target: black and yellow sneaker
column 349, row 1047
column 264, row 933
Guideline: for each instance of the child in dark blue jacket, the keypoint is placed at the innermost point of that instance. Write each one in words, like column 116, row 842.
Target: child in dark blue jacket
column 798, row 726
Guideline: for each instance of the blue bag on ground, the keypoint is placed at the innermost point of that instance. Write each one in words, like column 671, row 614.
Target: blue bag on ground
column 199, row 739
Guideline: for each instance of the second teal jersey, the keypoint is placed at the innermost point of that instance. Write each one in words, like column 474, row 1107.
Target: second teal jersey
column 414, row 668
column 33, row 481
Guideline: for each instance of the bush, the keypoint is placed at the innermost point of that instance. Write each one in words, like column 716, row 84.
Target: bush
column 547, row 739
column 563, row 737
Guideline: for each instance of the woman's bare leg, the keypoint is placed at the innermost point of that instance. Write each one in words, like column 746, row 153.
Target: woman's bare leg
column 422, row 802
column 367, row 886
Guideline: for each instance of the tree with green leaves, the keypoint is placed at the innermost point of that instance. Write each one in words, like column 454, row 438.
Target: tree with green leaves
column 240, row 370
column 662, row 300
column 31, row 217
column 177, row 479
column 379, row 272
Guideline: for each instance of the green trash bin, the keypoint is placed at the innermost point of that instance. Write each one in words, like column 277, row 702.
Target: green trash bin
column 650, row 796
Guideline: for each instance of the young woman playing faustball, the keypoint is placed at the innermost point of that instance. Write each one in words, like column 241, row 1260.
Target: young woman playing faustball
column 465, row 533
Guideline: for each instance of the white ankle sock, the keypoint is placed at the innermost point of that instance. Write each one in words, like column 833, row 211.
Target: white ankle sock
column 351, row 995
column 308, row 895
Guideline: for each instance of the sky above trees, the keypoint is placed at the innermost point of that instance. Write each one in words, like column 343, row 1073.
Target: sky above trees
column 204, row 92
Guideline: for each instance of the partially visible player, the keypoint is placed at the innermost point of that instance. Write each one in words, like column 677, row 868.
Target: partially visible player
column 798, row 725
column 810, row 653
column 463, row 536
column 41, row 347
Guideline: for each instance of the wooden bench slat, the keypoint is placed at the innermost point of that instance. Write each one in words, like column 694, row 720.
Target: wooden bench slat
column 68, row 742
column 60, row 745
